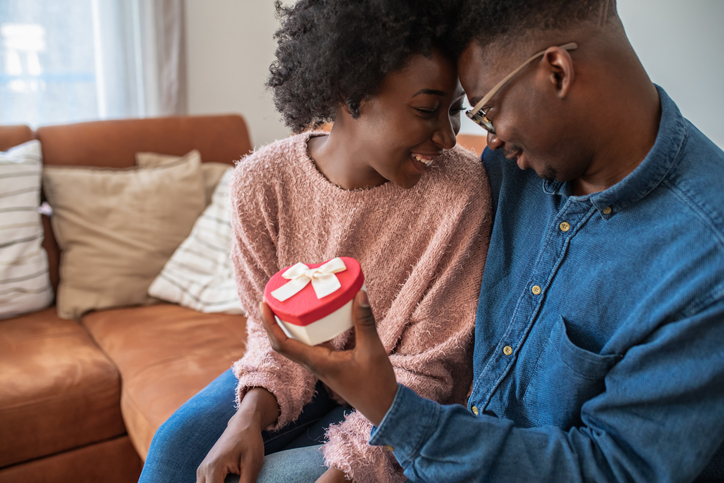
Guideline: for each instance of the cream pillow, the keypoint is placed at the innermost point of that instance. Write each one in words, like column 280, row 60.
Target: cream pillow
column 117, row 228
column 24, row 283
column 199, row 275
column 212, row 172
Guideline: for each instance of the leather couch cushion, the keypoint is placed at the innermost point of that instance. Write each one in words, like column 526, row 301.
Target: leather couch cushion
column 112, row 461
column 57, row 389
column 165, row 354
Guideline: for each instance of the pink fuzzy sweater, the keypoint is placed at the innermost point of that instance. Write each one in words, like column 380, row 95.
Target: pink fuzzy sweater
column 422, row 251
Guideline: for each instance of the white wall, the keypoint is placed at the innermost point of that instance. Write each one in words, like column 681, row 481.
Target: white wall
column 680, row 44
column 230, row 47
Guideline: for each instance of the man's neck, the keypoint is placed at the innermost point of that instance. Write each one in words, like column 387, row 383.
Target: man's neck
column 628, row 130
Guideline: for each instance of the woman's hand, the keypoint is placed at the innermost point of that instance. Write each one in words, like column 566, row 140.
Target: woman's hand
column 333, row 475
column 362, row 376
column 240, row 449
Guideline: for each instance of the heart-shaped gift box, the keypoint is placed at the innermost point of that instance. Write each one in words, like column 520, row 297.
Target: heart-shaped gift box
column 313, row 302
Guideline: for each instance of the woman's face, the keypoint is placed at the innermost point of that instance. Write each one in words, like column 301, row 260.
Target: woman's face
column 412, row 119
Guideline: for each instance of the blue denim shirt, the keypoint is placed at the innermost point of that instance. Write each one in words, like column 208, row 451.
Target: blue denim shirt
column 599, row 345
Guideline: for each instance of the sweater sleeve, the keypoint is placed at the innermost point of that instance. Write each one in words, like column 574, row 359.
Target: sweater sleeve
column 433, row 352
column 254, row 259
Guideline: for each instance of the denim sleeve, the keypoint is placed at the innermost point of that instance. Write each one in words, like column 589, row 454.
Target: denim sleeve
column 661, row 418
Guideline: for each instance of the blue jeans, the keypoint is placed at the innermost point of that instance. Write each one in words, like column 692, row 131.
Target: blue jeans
column 182, row 442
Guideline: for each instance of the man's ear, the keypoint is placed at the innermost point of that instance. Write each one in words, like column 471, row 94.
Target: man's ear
column 560, row 66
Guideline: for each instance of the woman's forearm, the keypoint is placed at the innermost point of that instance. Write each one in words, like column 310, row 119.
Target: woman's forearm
column 258, row 406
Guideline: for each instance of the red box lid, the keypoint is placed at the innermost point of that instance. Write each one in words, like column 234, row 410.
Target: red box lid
column 304, row 307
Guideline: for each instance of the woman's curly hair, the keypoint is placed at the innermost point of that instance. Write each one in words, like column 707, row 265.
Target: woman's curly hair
column 339, row 51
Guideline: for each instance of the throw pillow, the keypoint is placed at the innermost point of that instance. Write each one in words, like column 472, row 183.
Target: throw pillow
column 199, row 275
column 24, row 283
column 117, row 228
column 211, row 172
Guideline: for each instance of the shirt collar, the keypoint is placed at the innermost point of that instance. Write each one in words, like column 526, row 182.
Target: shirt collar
column 649, row 174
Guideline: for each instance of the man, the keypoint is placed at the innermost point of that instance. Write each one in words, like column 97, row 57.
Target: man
column 600, row 330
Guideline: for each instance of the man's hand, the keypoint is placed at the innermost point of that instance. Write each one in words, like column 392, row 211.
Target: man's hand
column 362, row 376
column 240, row 449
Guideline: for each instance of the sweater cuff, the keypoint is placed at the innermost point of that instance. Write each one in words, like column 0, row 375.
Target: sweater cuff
column 289, row 407
column 409, row 422
column 347, row 450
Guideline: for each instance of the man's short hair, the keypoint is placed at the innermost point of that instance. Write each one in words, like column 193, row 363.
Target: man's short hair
column 492, row 21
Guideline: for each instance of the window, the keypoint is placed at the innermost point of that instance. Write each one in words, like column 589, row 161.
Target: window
column 75, row 60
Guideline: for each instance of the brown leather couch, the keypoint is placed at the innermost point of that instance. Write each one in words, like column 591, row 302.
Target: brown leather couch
column 81, row 400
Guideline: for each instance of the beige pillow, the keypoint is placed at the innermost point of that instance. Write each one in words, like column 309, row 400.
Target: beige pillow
column 212, row 172
column 117, row 228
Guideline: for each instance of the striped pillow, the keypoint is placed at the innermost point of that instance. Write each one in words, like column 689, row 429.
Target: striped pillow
column 199, row 274
column 24, row 282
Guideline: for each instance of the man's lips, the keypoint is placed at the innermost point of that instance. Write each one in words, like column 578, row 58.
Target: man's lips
column 516, row 156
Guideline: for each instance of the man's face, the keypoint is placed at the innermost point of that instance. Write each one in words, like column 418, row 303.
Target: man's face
column 533, row 127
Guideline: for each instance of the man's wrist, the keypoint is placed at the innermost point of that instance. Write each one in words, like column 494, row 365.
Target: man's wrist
column 387, row 398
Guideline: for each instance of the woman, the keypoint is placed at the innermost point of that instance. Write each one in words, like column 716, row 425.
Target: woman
column 386, row 186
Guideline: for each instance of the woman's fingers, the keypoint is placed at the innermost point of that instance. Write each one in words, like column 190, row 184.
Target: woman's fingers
column 249, row 471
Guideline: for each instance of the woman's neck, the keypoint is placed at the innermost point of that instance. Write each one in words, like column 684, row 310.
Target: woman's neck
column 341, row 158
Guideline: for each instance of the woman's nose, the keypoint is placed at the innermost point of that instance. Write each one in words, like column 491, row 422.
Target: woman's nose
column 444, row 135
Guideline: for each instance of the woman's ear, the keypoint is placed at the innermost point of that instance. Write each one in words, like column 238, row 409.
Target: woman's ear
column 344, row 105
column 560, row 70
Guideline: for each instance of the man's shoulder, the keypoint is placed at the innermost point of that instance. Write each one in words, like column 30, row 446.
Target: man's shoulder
column 697, row 180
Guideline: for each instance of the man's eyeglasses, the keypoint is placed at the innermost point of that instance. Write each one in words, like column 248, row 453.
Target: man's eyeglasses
column 478, row 115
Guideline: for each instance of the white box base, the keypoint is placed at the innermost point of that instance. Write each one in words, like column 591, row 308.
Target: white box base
column 324, row 329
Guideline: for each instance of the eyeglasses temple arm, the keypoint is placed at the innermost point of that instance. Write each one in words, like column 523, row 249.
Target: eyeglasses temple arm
column 484, row 100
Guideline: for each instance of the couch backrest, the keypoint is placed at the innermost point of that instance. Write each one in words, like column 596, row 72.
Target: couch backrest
column 114, row 144
column 13, row 135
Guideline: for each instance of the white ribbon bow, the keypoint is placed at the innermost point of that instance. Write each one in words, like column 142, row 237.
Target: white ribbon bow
column 324, row 281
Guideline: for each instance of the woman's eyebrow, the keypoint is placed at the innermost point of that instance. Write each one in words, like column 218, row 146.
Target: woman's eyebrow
column 434, row 92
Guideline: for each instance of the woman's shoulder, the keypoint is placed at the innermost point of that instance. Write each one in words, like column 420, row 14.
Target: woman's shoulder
column 461, row 170
column 267, row 164
column 273, row 156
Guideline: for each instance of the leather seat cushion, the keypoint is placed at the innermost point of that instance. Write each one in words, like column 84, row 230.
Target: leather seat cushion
column 57, row 389
column 165, row 354
column 111, row 461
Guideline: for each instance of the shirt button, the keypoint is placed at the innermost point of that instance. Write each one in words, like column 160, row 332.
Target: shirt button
column 507, row 350
column 535, row 290
column 607, row 210
column 564, row 226
column 475, row 410
column 389, row 448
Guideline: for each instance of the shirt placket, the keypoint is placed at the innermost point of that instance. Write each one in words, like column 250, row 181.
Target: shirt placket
column 566, row 223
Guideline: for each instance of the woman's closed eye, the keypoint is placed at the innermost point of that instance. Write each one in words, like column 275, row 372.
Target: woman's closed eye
column 427, row 112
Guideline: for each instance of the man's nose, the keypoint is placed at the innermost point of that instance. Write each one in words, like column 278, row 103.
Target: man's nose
column 494, row 141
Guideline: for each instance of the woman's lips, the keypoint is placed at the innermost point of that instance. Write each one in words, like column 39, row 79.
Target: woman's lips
column 425, row 159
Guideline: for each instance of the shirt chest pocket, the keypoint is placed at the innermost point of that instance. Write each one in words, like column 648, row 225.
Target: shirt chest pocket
column 565, row 377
